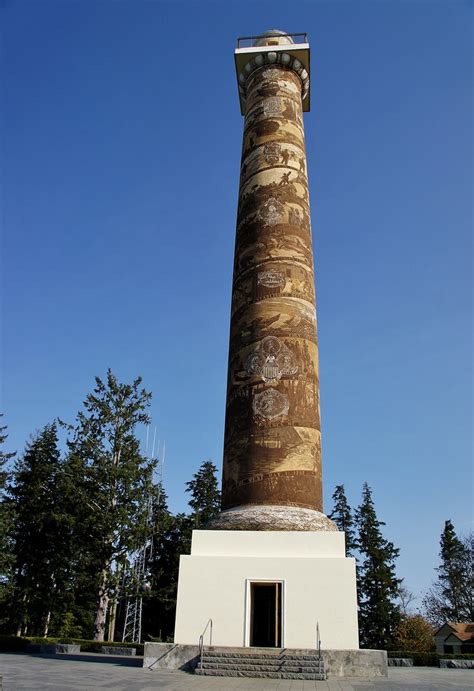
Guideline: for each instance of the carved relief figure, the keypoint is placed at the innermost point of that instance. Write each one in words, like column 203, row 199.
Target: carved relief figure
column 272, row 211
column 271, row 359
column 271, row 279
column 285, row 179
column 270, row 404
column 272, row 106
column 271, row 152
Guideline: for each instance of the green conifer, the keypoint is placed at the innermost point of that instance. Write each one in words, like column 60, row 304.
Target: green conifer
column 115, row 482
column 6, row 527
column 342, row 517
column 378, row 585
column 205, row 495
column 35, row 535
column 450, row 598
column 174, row 541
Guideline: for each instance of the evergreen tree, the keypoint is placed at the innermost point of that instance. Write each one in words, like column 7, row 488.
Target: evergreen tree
column 160, row 521
column 35, row 536
column 175, row 540
column 450, row 598
column 205, row 495
column 342, row 517
column 170, row 543
column 377, row 583
column 4, row 459
column 76, row 580
column 6, row 526
column 115, row 482
column 467, row 570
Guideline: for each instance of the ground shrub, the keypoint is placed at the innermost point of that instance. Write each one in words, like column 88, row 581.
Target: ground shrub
column 95, row 646
column 12, row 644
column 19, row 643
column 428, row 659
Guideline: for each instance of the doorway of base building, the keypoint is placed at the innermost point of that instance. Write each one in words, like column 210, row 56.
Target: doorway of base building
column 265, row 614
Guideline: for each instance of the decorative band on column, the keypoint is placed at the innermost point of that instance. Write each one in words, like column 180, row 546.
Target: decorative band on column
column 274, row 58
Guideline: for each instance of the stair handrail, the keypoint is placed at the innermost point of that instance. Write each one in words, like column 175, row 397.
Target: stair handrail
column 201, row 640
column 318, row 641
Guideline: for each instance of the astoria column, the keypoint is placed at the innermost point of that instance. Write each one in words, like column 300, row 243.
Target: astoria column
column 272, row 476
column 267, row 583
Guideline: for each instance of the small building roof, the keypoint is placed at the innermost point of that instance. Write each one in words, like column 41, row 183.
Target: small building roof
column 463, row 632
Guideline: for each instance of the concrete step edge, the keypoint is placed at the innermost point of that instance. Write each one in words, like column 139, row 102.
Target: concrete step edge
column 262, row 663
column 265, row 668
column 269, row 663
column 231, row 650
column 260, row 675
column 259, row 656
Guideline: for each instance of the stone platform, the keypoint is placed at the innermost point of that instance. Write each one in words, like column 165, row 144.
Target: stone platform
column 316, row 581
column 275, row 518
column 264, row 663
column 93, row 671
column 267, row 662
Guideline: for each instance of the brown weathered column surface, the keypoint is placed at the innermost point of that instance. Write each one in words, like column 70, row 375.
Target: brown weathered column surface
column 272, row 447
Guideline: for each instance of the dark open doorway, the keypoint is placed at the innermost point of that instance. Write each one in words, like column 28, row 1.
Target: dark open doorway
column 265, row 615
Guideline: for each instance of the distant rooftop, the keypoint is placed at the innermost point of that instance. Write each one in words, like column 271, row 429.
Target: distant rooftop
column 464, row 632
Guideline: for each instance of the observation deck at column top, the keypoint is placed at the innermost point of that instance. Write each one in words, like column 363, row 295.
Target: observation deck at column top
column 277, row 48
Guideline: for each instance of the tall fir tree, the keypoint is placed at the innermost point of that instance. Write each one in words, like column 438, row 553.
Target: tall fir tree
column 378, row 585
column 161, row 520
column 450, row 598
column 35, row 535
column 205, row 498
column 115, row 482
column 171, row 542
column 78, row 561
column 5, row 457
column 6, row 527
column 174, row 541
column 342, row 517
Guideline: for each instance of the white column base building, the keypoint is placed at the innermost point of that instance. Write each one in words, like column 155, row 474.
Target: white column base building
column 268, row 589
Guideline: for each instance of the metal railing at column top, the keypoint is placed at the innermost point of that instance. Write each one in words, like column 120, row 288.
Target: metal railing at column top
column 242, row 41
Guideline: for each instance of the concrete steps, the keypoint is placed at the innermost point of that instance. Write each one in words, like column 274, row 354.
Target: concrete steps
column 262, row 663
column 265, row 665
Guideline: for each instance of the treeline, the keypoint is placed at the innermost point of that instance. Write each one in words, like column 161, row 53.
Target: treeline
column 386, row 618
column 72, row 527
column 84, row 532
column 377, row 584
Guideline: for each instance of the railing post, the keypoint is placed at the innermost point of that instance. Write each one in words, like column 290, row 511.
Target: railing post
column 318, row 641
column 201, row 641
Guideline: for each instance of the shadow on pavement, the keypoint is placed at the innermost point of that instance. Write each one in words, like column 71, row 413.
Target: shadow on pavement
column 121, row 660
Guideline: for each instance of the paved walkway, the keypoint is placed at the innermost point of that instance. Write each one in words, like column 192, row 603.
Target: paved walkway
column 86, row 672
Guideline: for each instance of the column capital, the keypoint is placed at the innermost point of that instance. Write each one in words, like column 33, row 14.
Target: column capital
column 294, row 57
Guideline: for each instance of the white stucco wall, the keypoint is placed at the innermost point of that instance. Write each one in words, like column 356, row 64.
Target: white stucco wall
column 286, row 544
column 318, row 586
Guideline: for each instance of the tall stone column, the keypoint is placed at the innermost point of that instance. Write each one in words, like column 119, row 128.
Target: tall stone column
column 261, row 588
column 272, row 449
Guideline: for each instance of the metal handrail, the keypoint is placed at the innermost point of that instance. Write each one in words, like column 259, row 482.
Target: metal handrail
column 253, row 38
column 318, row 641
column 201, row 641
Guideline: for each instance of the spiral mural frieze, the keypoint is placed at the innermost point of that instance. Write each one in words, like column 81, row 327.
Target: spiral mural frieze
column 272, row 446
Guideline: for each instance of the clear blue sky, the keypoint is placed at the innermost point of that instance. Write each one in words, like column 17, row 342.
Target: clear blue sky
column 121, row 138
